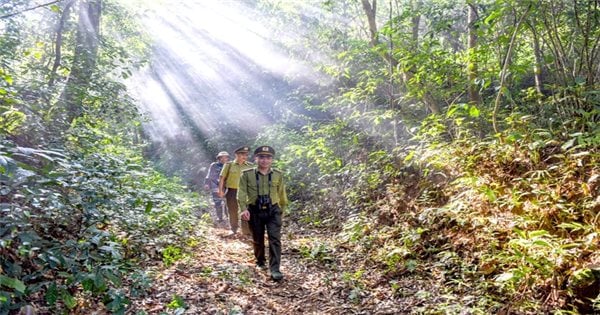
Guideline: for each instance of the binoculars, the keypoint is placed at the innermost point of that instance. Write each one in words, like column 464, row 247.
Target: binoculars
column 264, row 202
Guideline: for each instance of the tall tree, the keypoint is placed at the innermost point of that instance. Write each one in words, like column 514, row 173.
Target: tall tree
column 370, row 11
column 84, row 61
column 474, row 96
column 59, row 40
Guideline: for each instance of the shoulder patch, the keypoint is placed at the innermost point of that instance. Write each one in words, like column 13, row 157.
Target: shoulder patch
column 277, row 171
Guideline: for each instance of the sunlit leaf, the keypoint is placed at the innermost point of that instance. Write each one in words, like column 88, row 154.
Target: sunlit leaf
column 504, row 277
column 473, row 112
column 568, row 144
column 537, row 233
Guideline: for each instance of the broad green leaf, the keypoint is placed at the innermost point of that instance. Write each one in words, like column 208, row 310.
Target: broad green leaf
column 69, row 300
column 12, row 283
column 51, row 294
column 473, row 112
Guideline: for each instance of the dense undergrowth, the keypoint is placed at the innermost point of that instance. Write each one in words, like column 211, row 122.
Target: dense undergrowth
column 77, row 228
column 506, row 225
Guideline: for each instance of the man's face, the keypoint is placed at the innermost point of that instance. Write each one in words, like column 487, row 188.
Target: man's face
column 242, row 156
column 223, row 159
column 264, row 160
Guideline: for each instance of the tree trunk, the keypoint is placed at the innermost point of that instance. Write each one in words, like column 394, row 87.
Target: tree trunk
column 505, row 69
column 370, row 11
column 474, row 96
column 537, row 66
column 84, row 60
column 416, row 21
column 58, row 43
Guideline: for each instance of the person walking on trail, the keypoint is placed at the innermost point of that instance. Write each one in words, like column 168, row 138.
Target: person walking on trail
column 211, row 182
column 228, row 184
column 262, row 197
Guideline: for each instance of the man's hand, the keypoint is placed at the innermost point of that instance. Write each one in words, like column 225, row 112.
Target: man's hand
column 221, row 194
column 245, row 215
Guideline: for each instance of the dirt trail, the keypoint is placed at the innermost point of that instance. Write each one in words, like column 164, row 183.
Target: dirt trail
column 221, row 278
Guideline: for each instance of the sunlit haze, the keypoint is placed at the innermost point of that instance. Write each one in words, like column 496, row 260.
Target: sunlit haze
column 214, row 66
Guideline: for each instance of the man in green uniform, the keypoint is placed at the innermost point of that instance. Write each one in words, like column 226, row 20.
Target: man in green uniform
column 262, row 198
column 229, row 181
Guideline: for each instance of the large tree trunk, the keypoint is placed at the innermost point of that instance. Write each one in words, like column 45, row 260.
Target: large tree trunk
column 474, row 96
column 370, row 10
column 84, row 61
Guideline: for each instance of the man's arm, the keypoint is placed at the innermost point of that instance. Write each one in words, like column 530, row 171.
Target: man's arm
column 222, row 178
column 283, row 200
column 208, row 175
column 242, row 193
column 242, row 197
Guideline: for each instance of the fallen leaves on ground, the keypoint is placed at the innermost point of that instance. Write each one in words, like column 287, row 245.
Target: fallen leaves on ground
column 221, row 278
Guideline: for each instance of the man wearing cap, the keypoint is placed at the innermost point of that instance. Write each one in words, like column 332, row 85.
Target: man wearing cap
column 262, row 198
column 229, row 180
column 211, row 182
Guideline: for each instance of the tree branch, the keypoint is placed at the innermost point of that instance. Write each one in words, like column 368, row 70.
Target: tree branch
column 29, row 9
column 505, row 68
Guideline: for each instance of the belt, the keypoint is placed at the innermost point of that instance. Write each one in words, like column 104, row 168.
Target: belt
column 264, row 207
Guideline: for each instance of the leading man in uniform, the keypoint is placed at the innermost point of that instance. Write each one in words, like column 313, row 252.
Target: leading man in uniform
column 261, row 196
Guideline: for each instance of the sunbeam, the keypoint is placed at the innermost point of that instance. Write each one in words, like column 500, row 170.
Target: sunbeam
column 215, row 68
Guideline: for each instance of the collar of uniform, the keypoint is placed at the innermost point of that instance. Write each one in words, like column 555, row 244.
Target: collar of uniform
column 269, row 172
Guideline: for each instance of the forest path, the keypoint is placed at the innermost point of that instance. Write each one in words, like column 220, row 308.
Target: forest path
column 221, row 278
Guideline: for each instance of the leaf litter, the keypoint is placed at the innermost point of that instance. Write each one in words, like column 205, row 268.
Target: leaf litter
column 220, row 277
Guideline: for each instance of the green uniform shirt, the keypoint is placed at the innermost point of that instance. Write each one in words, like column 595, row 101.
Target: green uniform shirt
column 247, row 193
column 232, row 172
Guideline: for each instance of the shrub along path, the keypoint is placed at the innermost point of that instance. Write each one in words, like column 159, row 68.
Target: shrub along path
column 320, row 278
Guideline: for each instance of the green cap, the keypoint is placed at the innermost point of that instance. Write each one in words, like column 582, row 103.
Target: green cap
column 264, row 150
column 243, row 149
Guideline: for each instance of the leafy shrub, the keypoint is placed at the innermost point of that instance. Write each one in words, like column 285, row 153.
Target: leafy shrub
column 78, row 224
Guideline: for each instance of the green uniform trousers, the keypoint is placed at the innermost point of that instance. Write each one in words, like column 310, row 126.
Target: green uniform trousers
column 233, row 209
column 271, row 220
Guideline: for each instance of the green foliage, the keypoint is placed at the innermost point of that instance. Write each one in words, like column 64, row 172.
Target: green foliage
column 319, row 252
column 86, row 220
column 171, row 254
column 177, row 302
column 354, row 282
